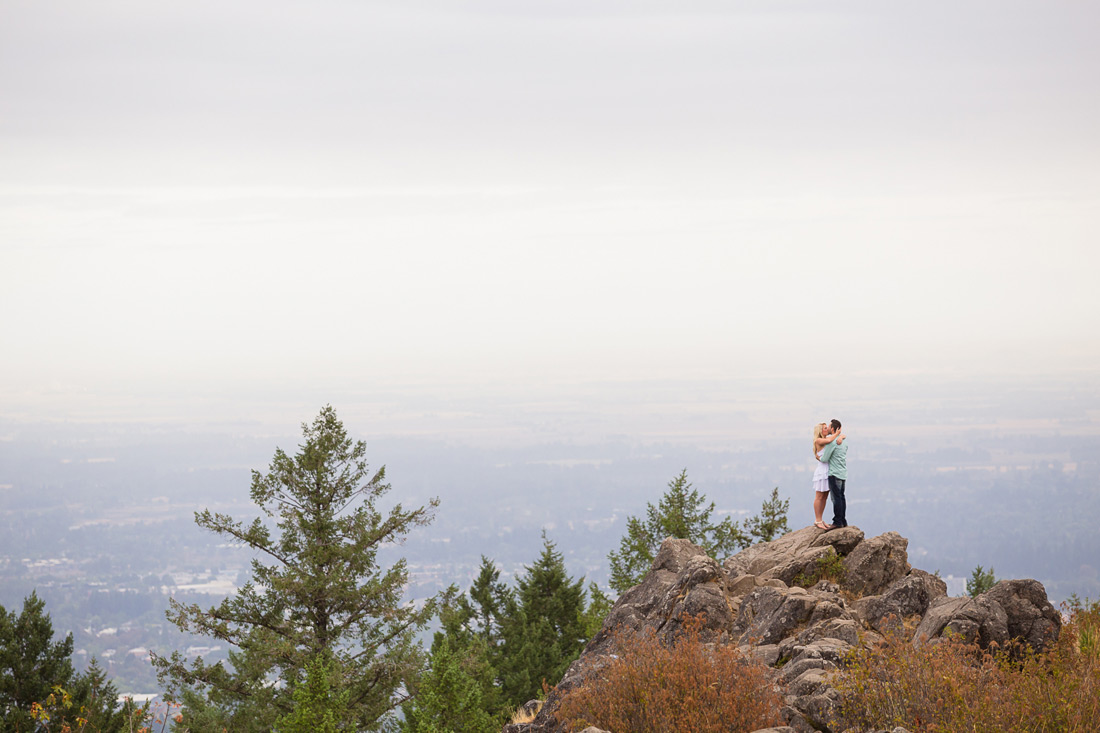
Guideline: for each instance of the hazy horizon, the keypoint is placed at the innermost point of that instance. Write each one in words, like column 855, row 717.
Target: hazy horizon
column 199, row 200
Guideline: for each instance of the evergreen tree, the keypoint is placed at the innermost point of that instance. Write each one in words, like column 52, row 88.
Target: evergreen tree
column 504, row 641
column 771, row 522
column 450, row 695
column 488, row 599
column 317, row 592
column 470, row 641
column 599, row 605
column 980, row 581
column 95, row 699
column 31, row 662
column 682, row 513
column 544, row 630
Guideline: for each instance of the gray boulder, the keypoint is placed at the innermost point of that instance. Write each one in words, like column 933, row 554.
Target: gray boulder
column 793, row 548
column 804, row 564
column 793, row 670
column 820, row 709
column 876, row 563
column 699, row 592
column 904, row 600
column 635, row 606
column 973, row 620
column 1032, row 619
column 768, row 615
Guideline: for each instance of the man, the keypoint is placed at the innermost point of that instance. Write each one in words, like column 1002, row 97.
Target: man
column 837, row 456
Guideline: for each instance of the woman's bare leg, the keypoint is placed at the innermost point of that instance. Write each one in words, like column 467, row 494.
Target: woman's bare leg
column 819, row 506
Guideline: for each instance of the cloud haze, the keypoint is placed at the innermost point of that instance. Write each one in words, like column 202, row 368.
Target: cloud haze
column 221, row 193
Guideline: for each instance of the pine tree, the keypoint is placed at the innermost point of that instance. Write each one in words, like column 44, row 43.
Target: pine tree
column 31, row 662
column 95, row 699
column 599, row 605
column 317, row 592
column 682, row 513
column 488, row 598
column 980, row 581
column 771, row 522
column 450, row 696
column 544, row 630
column 465, row 652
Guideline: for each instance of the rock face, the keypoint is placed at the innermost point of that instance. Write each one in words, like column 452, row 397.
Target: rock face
column 805, row 633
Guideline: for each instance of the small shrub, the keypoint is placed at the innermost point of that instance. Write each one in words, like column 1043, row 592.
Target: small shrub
column 830, row 567
column 690, row 686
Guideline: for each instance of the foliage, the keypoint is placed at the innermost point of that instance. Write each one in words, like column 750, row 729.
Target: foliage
column 828, row 567
column 498, row 645
column 471, row 634
column 32, row 664
column 1086, row 626
column 980, row 581
column 317, row 592
column 450, row 695
column 318, row 707
column 953, row 686
column 96, row 700
column 684, row 513
column 543, row 629
column 771, row 522
column 63, row 711
column 689, row 686
column 599, row 605
column 38, row 689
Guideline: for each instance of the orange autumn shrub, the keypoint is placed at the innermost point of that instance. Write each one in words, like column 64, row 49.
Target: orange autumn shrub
column 952, row 686
column 690, row 686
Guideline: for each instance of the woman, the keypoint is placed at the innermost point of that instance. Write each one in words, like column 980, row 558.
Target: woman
column 821, row 474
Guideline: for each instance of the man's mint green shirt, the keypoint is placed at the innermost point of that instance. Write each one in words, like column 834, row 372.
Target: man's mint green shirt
column 837, row 456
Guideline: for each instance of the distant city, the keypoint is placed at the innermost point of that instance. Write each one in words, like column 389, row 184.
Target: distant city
column 97, row 517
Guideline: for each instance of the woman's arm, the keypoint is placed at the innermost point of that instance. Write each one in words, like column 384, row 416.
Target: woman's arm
column 840, row 438
column 825, row 441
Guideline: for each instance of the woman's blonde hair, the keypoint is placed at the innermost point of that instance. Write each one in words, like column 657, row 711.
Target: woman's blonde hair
column 817, row 435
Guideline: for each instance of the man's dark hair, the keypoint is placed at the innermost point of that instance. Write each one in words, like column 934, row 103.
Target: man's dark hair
column 835, row 424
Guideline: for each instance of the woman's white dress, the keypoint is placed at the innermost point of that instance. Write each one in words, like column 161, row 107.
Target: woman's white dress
column 821, row 475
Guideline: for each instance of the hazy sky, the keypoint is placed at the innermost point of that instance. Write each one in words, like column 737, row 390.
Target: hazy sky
column 202, row 195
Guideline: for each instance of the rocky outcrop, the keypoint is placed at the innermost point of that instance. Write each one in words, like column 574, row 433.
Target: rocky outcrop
column 805, row 633
column 905, row 600
column 1030, row 616
column 876, row 563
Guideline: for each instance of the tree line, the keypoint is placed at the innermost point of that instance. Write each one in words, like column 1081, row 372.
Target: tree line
column 321, row 638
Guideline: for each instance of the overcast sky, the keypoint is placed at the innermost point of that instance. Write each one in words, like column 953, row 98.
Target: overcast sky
column 203, row 195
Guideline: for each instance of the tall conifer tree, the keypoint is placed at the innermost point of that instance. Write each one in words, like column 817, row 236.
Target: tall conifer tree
column 31, row 662
column 318, row 592
column 544, row 630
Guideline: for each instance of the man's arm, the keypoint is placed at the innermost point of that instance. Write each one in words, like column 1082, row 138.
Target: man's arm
column 829, row 450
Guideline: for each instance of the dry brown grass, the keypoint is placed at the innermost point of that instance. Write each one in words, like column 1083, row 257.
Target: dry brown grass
column 523, row 715
column 690, row 686
column 952, row 686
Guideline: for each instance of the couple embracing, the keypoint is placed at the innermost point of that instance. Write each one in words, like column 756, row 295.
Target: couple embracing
column 831, row 474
